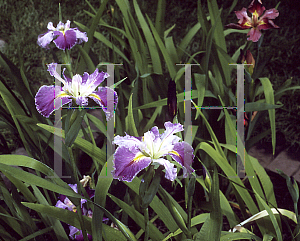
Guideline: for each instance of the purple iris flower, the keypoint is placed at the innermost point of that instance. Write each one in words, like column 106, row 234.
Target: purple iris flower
column 50, row 98
column 64, row 36
column 76, row 234
column 65, row 203
column 134, row 153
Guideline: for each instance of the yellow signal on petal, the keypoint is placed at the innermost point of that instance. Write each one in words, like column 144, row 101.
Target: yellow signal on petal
column 177, row 154
column 138, row 156
column 62, row 94
column 248, row 24
column 97, row 97
column 174, row 152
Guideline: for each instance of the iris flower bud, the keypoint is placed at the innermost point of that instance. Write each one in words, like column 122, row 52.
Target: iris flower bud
column 172, row 99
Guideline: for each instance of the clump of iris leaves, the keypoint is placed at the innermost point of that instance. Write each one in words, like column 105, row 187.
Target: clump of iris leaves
column 21, row 22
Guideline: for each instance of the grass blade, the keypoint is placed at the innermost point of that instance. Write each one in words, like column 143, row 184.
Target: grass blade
column 169, row 62
column 131, row 123
column 149, row 39
column 269, row 96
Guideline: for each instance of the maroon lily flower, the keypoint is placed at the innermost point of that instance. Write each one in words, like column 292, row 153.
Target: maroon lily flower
column 260, row 19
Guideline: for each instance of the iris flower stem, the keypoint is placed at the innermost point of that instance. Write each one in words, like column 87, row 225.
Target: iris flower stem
column 252, row 85
column 257, row 58
column 79, row 212
column 189, row 202
column 92, row 138
column 189, row 217
column 190, row 188
column 73, row 164
column 146, row 216
column 89, row 130
column 67, row 60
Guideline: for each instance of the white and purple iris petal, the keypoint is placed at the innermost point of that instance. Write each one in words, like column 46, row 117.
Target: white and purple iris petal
column 64, row 36
column 65, row 202
column 79, row 88
column 76, row 234
column 129, row 161
column 47, row 99
column 183, row 154
column 135, row 154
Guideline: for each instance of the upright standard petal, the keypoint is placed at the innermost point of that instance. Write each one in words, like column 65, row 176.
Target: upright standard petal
column 47, row 99
column 168, row 139
column 128, row 141
column 244, row 19
column 128, row 162
column 91, row 82
column 152, row 144
column 67, row 79
column 155, row 131
column 171, row 129
column 52, row 71
column 256, row 6
column 50, row 26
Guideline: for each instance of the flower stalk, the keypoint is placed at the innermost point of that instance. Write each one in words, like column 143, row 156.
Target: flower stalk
column 146, row 218
column 190, row 192
column 175, row 213
column 67, row 60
